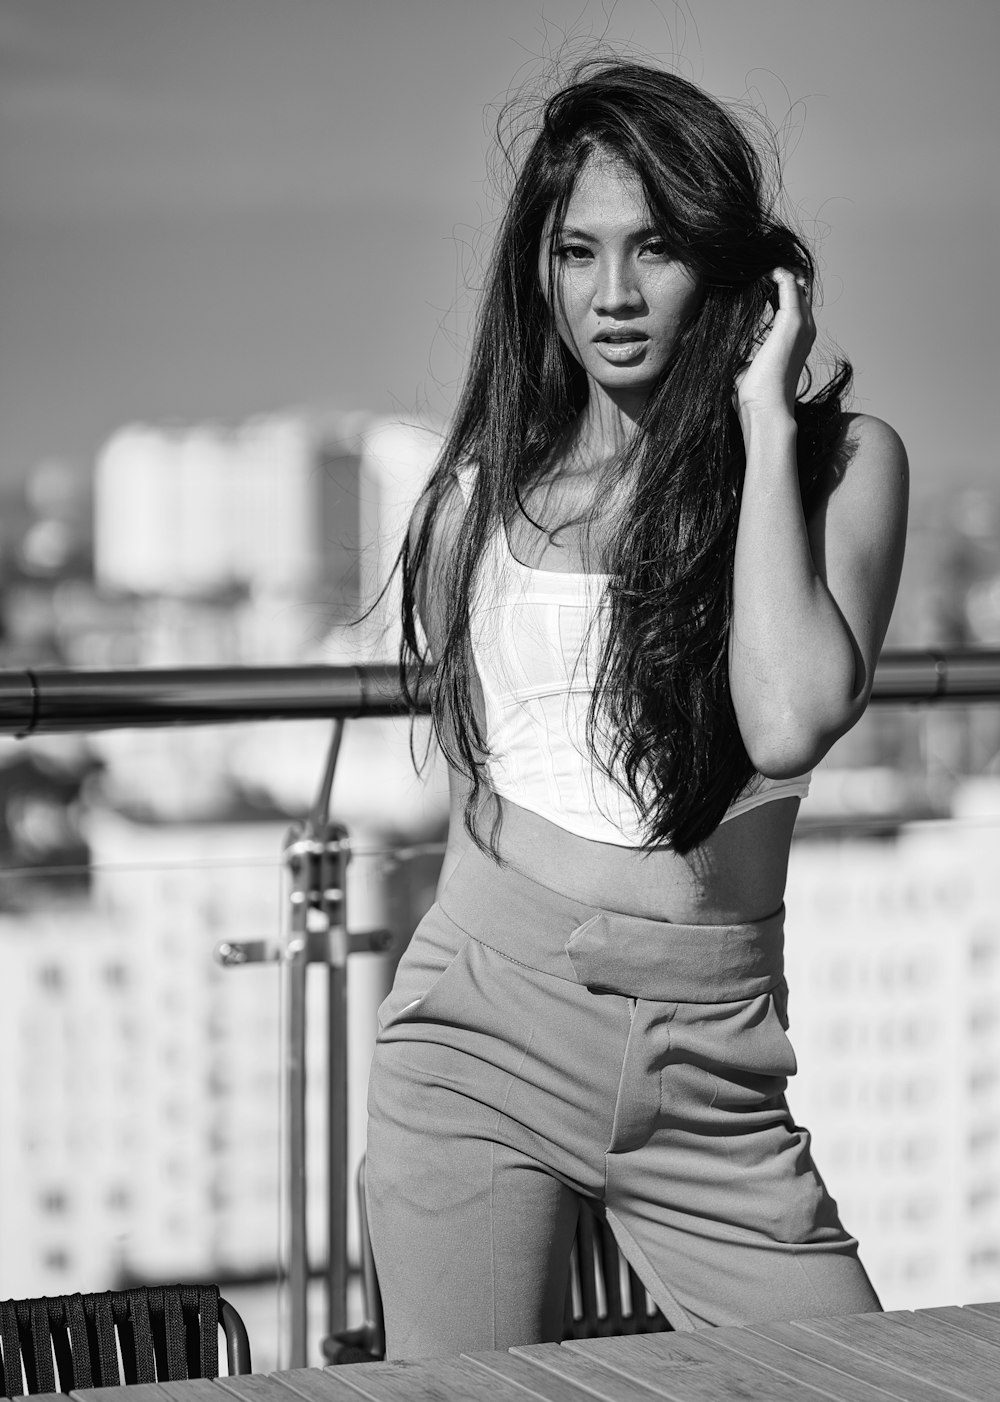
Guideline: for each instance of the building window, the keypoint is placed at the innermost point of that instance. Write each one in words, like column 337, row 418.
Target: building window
column 116, row 975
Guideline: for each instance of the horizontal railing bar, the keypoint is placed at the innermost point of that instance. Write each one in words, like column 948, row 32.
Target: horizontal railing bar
column 59, row 700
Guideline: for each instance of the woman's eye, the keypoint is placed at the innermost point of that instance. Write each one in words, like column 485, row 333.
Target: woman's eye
column 572, row 252
column 657, row 248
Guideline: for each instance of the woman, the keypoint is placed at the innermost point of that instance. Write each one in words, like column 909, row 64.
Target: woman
column 653, row 580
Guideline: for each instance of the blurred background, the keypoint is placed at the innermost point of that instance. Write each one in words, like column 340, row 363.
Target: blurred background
column 240, row 243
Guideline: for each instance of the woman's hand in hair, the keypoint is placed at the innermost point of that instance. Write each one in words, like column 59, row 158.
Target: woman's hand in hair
column 770, row 382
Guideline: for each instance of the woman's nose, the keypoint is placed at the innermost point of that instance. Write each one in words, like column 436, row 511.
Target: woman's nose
column 617, row 288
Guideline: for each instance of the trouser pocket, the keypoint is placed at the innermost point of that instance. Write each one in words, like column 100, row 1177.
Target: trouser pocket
column 435, row 947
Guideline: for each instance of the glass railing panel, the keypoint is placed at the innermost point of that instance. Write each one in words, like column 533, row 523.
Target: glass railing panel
column 142, row 1104
column 142, row 1094
column 141, row 1089
column 142, row 1101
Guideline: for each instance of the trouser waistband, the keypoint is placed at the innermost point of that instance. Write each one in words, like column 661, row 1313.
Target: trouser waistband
column 655, row 960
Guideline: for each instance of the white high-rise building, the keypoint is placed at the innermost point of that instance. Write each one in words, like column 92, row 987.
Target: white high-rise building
column 395, row 464
column 270, row 505
column 67, row 1100
column 141, row 1104
column 256, row 543
column 893, row 958
column 281, row 504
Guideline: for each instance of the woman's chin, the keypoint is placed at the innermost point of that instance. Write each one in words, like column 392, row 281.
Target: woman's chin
column 623, row 379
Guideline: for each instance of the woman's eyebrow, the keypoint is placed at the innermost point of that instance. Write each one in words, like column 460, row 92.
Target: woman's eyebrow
column 569, row 231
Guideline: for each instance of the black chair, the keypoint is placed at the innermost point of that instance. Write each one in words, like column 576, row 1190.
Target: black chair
column 159, row 1334
column 604, row 1296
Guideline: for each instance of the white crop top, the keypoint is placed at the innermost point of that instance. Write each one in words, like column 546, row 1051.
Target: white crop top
column 536, row 653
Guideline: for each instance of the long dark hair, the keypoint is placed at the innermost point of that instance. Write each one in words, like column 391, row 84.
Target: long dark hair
column 661, row 720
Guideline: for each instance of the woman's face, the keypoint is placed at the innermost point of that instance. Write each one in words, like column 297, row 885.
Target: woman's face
column 620, row 299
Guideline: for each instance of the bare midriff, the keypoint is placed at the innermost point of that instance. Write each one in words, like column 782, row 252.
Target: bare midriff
column 737, row 875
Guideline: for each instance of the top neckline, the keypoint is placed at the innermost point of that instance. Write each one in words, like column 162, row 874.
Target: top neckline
column 546, row 574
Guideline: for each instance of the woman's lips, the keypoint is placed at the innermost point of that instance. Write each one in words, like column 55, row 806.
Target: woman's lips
column 619, row 349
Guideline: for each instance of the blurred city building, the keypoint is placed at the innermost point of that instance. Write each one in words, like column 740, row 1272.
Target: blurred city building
column 137, row 1059
column 142, row 1114
column 893, row 960
column 279, row 533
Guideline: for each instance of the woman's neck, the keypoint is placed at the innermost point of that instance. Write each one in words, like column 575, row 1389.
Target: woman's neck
column 606, row 425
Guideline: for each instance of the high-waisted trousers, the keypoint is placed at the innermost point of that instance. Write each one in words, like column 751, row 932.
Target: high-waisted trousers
column 533, row 1049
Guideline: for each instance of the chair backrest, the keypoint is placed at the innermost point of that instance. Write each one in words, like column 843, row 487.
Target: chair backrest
column 604, row 1296
column 151, row 1334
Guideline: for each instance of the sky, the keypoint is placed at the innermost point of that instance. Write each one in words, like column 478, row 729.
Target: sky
column 213, row 208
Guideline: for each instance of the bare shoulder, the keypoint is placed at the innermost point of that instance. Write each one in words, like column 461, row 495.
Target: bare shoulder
column 870, row 456
column 448, row 503
column 867, row 489
column 443, row 506
column 441, row 511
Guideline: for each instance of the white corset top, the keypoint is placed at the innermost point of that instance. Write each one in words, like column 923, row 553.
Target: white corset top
column 536, row 640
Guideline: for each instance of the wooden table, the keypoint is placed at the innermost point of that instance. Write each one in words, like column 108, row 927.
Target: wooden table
column 933, row 1355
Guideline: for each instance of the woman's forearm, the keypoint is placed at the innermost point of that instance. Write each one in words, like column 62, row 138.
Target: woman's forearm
column 792, row 661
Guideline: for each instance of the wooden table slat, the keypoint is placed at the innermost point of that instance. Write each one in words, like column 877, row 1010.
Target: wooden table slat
column 853, row 1365
column 956, row 1369
column 276, row 1387
column 134, row 1392
column 981, row 1326
column 196, row 1390
column 990, row 1307
column 430, row 1380
column 942, row 1339
column 797, row 1366
column 254, row 1387
column 551, row 1383
column 720, row 1376
column 587, row 1373
column 332, row 1384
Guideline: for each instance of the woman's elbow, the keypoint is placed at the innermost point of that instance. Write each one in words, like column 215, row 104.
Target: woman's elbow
column 790, row 743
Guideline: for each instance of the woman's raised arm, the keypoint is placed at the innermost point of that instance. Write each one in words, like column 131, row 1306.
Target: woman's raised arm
column 811, row 600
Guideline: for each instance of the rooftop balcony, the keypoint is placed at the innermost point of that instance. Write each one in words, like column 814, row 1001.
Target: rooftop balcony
column 190, row 993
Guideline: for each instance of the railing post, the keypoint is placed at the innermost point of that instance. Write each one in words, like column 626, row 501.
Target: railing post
column 335, row 857
column 295, row 963
column 317, row 868
column 316, row 854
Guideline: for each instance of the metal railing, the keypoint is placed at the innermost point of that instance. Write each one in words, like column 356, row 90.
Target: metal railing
column 58, row 700
column 62, row 700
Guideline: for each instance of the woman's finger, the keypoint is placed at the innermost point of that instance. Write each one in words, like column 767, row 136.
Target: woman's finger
column 793, row 290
